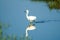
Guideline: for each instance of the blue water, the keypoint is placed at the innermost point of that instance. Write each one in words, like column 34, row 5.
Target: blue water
column 12, row 12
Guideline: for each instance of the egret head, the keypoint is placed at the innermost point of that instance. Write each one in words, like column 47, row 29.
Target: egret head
column 27, row 11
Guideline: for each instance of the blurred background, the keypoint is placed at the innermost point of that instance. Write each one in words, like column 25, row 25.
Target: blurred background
column 13, row 20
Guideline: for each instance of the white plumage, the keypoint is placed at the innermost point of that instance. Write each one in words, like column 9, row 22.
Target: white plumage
column 30, row 18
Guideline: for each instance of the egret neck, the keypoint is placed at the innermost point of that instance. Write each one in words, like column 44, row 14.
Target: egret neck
column 27, row 12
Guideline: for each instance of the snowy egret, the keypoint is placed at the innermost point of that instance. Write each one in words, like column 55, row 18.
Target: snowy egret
column 30, row 18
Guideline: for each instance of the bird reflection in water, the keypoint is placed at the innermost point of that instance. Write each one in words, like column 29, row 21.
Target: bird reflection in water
column 30, row 27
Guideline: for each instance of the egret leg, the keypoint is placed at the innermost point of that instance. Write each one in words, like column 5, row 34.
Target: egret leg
column 31, row 23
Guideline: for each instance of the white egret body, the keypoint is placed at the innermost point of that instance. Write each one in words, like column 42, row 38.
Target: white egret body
column 30, row 18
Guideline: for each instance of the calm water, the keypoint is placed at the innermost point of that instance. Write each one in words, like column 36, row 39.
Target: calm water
column 12, row 12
